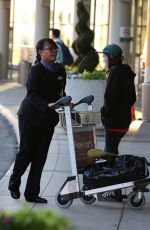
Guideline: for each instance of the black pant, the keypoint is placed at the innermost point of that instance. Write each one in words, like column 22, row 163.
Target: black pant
column 112, row 140
column 34, row 145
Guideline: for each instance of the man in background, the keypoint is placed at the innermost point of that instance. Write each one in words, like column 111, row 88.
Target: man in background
column 63, row 55
column 56, row 38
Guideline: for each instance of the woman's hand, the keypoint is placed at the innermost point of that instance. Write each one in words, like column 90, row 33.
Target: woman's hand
column 71, row 105
column 55, row 106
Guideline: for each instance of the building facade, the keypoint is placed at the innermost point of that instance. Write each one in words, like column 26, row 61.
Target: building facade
column 23, row 22
column 124, row 22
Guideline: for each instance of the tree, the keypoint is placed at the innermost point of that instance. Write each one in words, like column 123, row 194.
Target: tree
column 87, row 56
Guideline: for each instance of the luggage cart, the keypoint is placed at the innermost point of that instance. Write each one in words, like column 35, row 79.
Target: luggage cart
column 71, row 188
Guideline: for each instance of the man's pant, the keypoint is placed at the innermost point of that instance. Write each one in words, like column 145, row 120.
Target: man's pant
column 112, row 140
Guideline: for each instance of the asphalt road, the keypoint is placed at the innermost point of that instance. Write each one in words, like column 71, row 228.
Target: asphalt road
column 8, row 146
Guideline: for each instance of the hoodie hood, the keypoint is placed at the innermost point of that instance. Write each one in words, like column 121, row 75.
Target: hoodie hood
column 128, row 69
column 123, row 68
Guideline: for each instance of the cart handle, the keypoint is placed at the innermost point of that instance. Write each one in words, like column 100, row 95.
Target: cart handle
column 88, row 100
column 64, row 101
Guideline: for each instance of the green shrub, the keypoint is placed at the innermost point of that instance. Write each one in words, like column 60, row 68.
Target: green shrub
column 74, row 73
column 86, row 75
column 71, row 68
column 29, row 219
column 96, row 74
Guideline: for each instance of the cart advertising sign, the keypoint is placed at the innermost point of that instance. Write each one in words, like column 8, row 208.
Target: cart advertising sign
column 84, row 140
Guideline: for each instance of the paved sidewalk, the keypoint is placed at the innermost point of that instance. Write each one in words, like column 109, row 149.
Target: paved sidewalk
column 98, row 216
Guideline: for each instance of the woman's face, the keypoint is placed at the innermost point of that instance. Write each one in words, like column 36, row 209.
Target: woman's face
column 48, row 53
column 105, row 60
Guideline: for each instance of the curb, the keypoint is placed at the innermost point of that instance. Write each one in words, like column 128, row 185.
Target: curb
column 12, row 120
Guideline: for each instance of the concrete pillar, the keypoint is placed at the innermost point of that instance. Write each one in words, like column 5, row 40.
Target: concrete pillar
column 42, row 19
column 120, row 19
column 4, row 37
column 146, row 84
column 41, row 22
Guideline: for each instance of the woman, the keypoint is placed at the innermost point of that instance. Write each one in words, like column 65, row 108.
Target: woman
column 118, row 99
column 45, row 85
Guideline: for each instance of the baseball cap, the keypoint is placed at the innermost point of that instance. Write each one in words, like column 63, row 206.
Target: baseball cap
column 112, row 49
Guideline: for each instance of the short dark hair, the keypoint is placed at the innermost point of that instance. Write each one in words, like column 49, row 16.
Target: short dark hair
column 56, row 32
column 41, row 42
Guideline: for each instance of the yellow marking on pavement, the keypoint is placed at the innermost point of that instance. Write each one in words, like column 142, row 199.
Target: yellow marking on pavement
column 138, row 115
column 135, row 126
column 8, row 85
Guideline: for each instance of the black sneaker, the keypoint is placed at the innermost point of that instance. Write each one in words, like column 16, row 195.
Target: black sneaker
column 107, row 196
column 15, row 194
column 37, row 199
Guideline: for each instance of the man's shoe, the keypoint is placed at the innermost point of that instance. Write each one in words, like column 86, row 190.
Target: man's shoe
column 37, row 199
column 15, row 194
column 108, row 196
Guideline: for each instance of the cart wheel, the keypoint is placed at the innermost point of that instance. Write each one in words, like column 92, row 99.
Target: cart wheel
column 88, row 199
column 61, row 202
column 134, row 204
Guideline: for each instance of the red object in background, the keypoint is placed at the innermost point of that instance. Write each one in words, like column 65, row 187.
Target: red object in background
column 132, row 113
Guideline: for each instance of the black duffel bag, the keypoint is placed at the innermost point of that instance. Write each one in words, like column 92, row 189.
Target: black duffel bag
column 115, row 170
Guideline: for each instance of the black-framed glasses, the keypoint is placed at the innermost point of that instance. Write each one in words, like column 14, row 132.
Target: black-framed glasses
column 50, row 49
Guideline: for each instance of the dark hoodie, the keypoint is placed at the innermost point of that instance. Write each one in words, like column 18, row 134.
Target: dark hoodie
column 119, row 97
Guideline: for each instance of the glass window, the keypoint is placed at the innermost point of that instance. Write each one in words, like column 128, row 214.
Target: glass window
column 100, row 23
column 23, row 25
column 62, row 18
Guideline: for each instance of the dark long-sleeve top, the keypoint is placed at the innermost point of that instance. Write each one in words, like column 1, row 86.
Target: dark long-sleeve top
column 119, row 97
column 43, row 87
